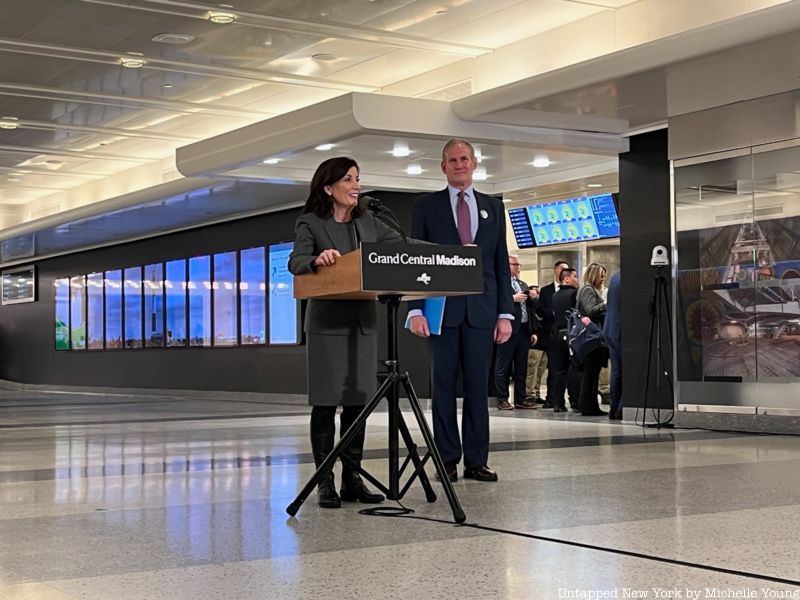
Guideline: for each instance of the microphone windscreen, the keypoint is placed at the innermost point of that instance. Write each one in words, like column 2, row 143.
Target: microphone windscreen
column 373, row 204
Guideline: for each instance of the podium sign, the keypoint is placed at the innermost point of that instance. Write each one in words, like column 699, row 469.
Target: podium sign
column 423, row 268
column 407, row 270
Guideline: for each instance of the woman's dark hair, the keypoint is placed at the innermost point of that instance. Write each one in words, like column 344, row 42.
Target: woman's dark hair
column 329, row 172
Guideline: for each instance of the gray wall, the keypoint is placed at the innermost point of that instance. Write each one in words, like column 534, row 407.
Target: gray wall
column 27, row 353
column 645, row 219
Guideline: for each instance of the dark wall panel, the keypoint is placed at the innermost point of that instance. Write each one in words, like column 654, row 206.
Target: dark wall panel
column 27, row 339
column 644, row 185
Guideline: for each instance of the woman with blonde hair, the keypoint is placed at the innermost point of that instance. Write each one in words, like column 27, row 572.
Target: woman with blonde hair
column 590, row 303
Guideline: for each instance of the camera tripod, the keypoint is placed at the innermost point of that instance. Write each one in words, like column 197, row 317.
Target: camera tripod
column 659, row 307
column 389, row 389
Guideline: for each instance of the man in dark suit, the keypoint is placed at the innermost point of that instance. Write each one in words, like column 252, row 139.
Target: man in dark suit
column 512, row 357
column 460, row 215
column 548, row 328
column 612, row 330
column 566, row 375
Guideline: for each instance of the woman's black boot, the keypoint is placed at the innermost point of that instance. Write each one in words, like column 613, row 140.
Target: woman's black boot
column 326, row 493
column 322, row 435
column 353, row 488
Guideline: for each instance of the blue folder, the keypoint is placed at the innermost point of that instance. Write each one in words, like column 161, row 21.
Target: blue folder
column 433, row 310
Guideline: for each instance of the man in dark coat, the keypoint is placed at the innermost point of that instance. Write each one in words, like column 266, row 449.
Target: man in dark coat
column 565, row 374
column 460, row 215
column 612, row 331
column 512, row 357
column 548, row 328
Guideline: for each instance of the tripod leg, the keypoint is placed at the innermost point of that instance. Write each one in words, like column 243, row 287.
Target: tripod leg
column 665, row 297
column 647, row 371
column 329, row 461
column 455, row 505
column 419, row 466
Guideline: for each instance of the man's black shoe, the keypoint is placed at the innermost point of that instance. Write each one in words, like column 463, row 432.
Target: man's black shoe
column 525, row 404
column 452, row 472
column 547, row 404
column 480, row 473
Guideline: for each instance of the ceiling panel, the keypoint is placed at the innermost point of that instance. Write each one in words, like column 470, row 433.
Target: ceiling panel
column 79, row 109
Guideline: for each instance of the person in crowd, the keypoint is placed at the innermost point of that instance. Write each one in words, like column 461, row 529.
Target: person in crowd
column 460, row 215
column 512, row 357
column 341, row 335
column 548, row 329
column 537, row 359
column 604, row 382
column 590, row 304
column 566, row 374
column 612, row 330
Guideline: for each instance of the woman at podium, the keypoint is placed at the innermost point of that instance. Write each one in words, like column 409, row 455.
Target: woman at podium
column 341, row 335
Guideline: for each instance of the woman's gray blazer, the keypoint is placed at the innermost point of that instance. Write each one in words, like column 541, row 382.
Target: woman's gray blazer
column 341, row 335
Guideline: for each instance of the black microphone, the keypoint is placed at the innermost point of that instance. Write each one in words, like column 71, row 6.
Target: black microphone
column 374, row 204
column 384, row 213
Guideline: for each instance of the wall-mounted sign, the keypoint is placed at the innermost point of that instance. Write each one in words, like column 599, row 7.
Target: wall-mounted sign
column 19, row 285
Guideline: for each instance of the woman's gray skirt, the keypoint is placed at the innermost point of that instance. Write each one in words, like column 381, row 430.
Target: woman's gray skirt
column 342, row 368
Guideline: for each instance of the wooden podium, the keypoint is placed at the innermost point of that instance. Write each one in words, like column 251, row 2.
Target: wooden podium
column 391, row 273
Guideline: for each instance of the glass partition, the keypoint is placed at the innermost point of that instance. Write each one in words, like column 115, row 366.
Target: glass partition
column 62, row 313
column 225, row 316
column 776, row 266
column 253, row 296
column 77, row 321
column 154, row 306
column 113, row 312
column 200, row 301
column 714, row 214
column 133, row 307
column 94, row 311
column 175, row 287
column 738, row 275
column 225, row 300
column 283, row 308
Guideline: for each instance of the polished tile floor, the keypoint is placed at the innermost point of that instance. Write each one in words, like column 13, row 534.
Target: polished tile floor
column 115, row 497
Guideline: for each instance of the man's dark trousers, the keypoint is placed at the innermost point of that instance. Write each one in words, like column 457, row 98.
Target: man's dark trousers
column 475, row 345
column 512, row 357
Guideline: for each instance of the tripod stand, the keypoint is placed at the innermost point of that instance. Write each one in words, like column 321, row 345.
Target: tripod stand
column 659, row 306
column 397, row 425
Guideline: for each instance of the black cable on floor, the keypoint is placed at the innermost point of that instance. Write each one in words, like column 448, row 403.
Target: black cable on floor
column 406, row 513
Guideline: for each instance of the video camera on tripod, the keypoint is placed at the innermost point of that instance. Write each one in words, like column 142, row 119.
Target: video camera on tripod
column 660, row 322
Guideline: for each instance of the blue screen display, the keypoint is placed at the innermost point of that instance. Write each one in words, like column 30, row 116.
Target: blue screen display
column 565, row 221
column 282, row 305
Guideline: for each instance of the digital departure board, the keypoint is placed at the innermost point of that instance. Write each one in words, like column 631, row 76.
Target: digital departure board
column 565, row 221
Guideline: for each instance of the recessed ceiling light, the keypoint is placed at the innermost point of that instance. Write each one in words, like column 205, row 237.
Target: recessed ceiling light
column 541, row 162
column 323, row 147
column 400, row 150
column 594, row 185
column 324, row 57
column 272, row 161
column 14, row 179
column 9, row 122
column 441, row 11
column 176, row 39
column 267, row 41
column 480, row 174
column 414, row 170
column 167, row 86
column 133, row 61
column 221, row 18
